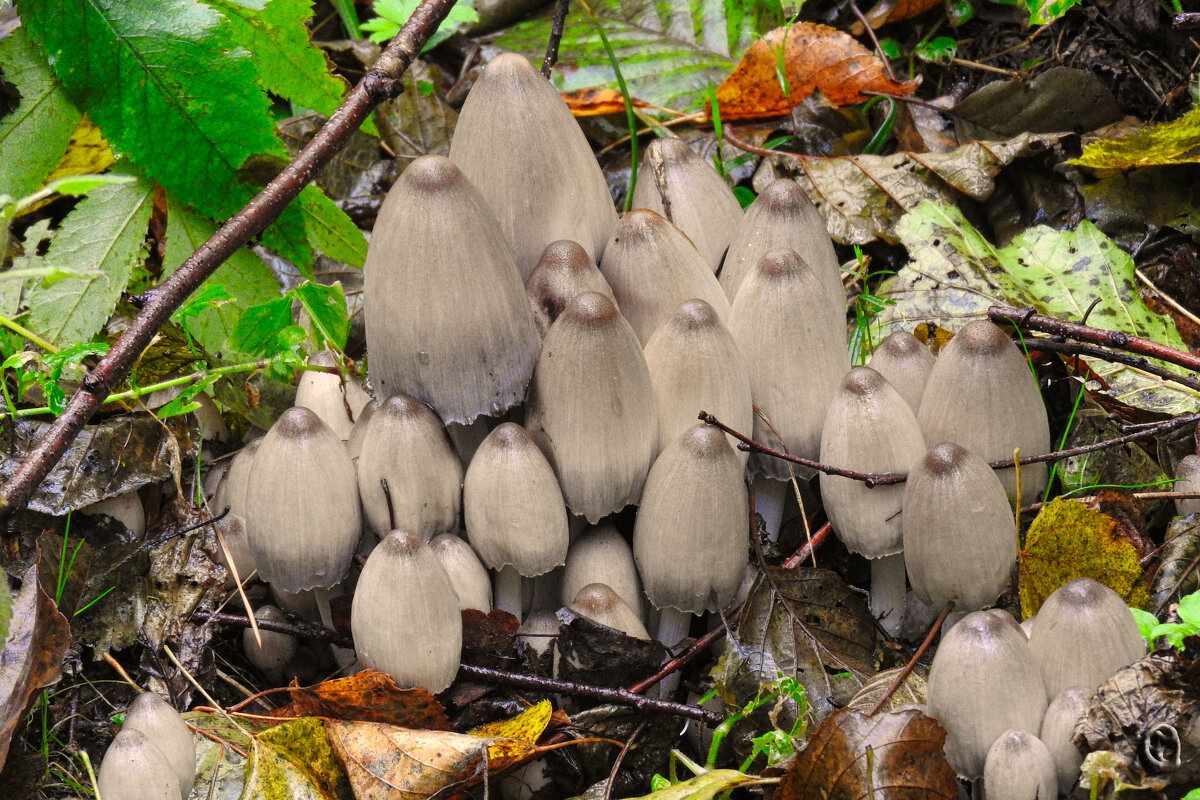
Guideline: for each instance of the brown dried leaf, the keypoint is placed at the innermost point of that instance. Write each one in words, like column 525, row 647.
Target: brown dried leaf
column 369, row 696
column 37, row 641
column 885, row 757
column 886, row 11
column 489, row 640
column 597, row 102
column 909, row 694
column 814, row 57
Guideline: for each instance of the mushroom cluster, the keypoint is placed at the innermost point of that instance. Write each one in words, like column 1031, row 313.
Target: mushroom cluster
column 152, row 757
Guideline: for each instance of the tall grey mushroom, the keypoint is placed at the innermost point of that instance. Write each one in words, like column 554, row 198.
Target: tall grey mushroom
column 905, row 362
column 518, row 142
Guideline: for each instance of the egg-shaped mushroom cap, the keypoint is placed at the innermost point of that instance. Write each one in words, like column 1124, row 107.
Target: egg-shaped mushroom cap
column 783, row 216
column 601, row 555
column 1187, row 474
column 905, row 362
column 302, row 511
column 162, row 725
column 359, row 432
column 446, row 313
column 405, row 615
column 599, row 603
column 1058, row 730
column 1084, row 634
column 406, row 443
column 695, row 502
column 959, row 538
column 276, row 650
column 982, row 682
column 652, row 268
column 467, row 573
column 232, row 494
column 981, row 394
column 701, row 204
column 518, row 142
column 564, row 270
column 869, row 428
column 514, row 510
column 134, row 768
column 696, row 366
column 336, row 401
column 591, row 407
column 1019, row 767
column 782, row 300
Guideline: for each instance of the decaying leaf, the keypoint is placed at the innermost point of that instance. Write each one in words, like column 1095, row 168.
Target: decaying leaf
column 885, row 757
column 955, row 274
column 812, row 57
column 887, row 11
column 33, row 653
column 295, row 760
column 818, row 631
column 864, row 197
column 909, row 694
column 595, row 655
column 598, row 101
column 1059, row 99
column 489, row 640
column 1127, row 465
column 369, row 696
column 511, row 738
column 706, row 785
column 1069, row 540
column 1174, row 142
column 357, row 170
column 1177, row 575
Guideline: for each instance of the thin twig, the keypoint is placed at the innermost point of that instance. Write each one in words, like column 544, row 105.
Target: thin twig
column 870, row 31
column 797, row 558
column 1114, row 356
column 694, row 649
column 382, row 82
column 556, row 34
column 616, row 767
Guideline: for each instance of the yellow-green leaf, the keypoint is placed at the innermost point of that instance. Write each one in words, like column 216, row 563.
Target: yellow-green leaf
column 1175, row 142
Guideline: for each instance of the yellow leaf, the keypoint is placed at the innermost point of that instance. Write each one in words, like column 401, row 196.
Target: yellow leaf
column 707, row 785
column 1175, row 142
column 516, row 738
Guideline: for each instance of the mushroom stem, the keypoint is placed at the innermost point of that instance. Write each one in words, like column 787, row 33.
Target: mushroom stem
column 508, row 591
column 673, row 626
column 345, row 656
column 467, row 438
column 888, row 586
column 769, row 498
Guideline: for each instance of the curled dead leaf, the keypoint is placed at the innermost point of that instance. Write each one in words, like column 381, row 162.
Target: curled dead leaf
column 597, row 102
column 369, row 696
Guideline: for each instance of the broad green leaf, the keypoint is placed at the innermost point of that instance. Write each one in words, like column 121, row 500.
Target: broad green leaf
column 329, row 230
column 245, row 278
column 288, row 63
column 258, row 328
column 955, row 274
column 40, row 127
column 669, row 51
column 394, row 13
column 168, row 83
column 326, row 307
column 104, row 236
column 1175, row 142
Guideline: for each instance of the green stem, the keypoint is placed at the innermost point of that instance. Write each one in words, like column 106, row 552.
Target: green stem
column 630, row 119
column 22, row 331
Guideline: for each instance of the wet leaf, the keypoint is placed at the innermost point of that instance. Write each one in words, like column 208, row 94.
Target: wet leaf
column 489, row 640
column 658, row 735
column 1174, row 142
column 513, row 737
column 417, row 123
column 1176, row 576
column 889, row 756
column 705, row 786
column 812, row 57
column 909, row 694
column 1059, row 99
column 956, row 273
column 597, row 102
column 296, row 754
column 669, row 52
column 864, row 197
column 1069, row 540
column 1127, row 465
column 819, row 632
column 595, row 655
column 33, row 652
column 357, row 170
column 1122, row 204
column 117, row 456
column 369, row 696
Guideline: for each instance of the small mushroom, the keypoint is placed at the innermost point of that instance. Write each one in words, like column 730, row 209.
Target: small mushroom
column 905, row 362
column 467, row 573
column 162, row 725
column 564, row 270
column 601, row 555
column 276, row 649
column 1187, row 474
column 134, row 768
column 1058, row 730
column 1019, row 767
column 336, row 400
column 599, row 603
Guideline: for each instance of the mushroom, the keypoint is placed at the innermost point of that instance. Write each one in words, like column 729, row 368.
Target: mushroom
column 694, row 505
column 446, row 314
column 599, row 603
column 959, row 538
column 905, row 362
column 538, row 630
column 1187, row 475
column 684, row 188
column 591, row 407
column 870, row 428
column 134, row 768
column 1058, row 729
column 359, row 431
column 276, row 649
column 652, row 268
column 983, row 682
column 1019, row 767
column 405, row 444
column 405, row 615
column 601, row 555
column 124, row 508
column 982, row 395
column 338, row 400
column 231, row 497
column 164, row 727
column 518, row 142
column 783, row 216
column 514, row 511
column 564, row 270
column 467, row 573
column 695, row 366
column 1084, row 634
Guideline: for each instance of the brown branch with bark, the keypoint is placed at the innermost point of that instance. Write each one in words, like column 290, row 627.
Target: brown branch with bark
column 382, row 82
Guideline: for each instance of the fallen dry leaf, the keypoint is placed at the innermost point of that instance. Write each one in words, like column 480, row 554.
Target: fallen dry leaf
column 886, row 11
column 512, row 737
column 884, row 757
column 598, row 101
column 814, row 57
column 369, row 696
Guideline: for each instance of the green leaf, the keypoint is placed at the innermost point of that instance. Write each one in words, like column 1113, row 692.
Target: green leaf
column 326, row 307
column 288, row 63
column 71, row 356
column 1189, row 610
column 394, row 13
column 168, row 83
column 669, row 51
column 1146, row 623
column 185, row 402
column 41, row 125
column 955, row 273
column 5, row 607
column 106, row 237
column 1175, row 142
column 244, row 277
column 259, row 326
column 329, row 230
column 1043, row 12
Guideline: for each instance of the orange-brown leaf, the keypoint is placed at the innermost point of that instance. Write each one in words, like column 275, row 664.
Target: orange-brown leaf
column 515, row 738
column 886, row 11
column 369, row 696
column 595, row 102
column 814, row 57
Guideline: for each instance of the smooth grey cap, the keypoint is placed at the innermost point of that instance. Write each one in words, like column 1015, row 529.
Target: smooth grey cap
column 338, row 403
column 905, row 362
column 601, row 555
column 162, row 724
column 1019, row 767
column 1187, row 472
column 599, row 603
column 134, row 768
column 564, row 270
column 467, row 573
column 276, row 650
column 1058, row 730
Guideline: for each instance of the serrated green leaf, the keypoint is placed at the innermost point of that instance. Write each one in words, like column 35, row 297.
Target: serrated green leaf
column 669, row 51
column 104, row 236
column 258, row 328
column 168, row 84
column 288, row 63
column 41, row 125
column 394, row 13
column 1175, row 142
column 329, row 230
column 955, row 273
column 326, row 308
column 244, row 277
